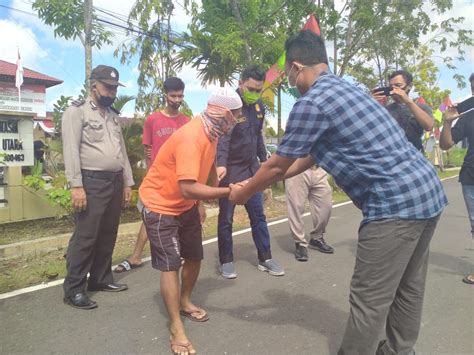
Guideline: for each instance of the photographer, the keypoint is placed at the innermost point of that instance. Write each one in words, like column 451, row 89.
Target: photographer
column 412, row 117
column 464, row 128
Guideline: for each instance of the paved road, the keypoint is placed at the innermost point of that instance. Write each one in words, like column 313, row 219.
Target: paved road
column 303, row 312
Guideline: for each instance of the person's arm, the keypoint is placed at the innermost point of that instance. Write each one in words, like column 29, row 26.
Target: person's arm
column 147, row 139
column 223, row 147
column 271, row 171
column 300, row 165
column 72, row 124
column 446, row 139
column 193, row 190
column 213, row 176
column 261, row 149
column 424, row 119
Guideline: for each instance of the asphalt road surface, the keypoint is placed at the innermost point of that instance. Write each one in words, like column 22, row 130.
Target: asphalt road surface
column 303, row 312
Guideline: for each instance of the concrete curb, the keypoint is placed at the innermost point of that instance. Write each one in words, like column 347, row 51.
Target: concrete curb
column 48, row 244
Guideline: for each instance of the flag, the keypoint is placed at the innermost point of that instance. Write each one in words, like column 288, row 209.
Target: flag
column 19, row 72
column 445, row 104
column 277, row 70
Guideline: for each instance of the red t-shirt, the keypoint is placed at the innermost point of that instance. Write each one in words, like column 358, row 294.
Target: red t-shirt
column 158, row 128
column 187, row 155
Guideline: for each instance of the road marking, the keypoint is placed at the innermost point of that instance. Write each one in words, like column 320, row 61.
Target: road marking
column 209, row 241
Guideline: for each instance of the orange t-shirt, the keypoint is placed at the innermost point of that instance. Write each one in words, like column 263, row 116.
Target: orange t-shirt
column 186, row 155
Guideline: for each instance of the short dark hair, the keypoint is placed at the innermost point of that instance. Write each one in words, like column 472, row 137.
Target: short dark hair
column 471, row 78
column 253, row 72
column 306, row 47
column 173, row 84
column 406, row 76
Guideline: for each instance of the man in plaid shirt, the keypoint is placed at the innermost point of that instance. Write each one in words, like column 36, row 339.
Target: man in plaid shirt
column 347, row 133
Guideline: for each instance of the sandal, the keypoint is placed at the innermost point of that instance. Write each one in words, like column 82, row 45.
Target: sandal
column 198, row 315
column 469, row 279
column 126, row 266
column 187, row 346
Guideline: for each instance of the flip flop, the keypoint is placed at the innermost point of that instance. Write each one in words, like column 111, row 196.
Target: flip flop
column 187, row 346
column 468, row 280
column 192, row 315
column 126, row 266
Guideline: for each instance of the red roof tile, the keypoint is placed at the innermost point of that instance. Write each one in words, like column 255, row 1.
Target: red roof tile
column 8, row 71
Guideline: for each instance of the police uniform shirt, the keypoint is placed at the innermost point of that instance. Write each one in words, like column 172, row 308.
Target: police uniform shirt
column 93, row 142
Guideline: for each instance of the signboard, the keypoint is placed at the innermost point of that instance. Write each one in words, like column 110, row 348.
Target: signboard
column 16, row 140
column 33, row 98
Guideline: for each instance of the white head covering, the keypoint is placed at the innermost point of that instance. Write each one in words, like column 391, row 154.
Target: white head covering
column 225, row 97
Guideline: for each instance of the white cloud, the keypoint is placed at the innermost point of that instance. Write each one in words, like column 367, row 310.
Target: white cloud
column 16, row 37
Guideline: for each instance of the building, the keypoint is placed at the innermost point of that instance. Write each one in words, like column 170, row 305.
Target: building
column 17, row 136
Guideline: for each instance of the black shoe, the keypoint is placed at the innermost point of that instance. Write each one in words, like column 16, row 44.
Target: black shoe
column 108, row 287
column 80, row 301
column 301, row 253
column 320, row 244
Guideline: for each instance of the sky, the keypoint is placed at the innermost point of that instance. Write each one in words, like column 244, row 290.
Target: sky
column 64, row 59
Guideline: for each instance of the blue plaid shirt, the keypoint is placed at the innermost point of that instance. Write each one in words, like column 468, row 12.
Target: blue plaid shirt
column 358, row 142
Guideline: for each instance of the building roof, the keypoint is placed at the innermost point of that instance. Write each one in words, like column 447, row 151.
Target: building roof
column 8, row 72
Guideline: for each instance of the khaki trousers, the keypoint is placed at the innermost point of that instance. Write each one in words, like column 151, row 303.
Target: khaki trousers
column 311, row 185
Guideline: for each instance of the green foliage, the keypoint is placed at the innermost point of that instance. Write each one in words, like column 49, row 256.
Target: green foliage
column 455, row 156
column 226, row 36
column 67, row 18
column 373, row 38
column 58, row 109
column 425, row 78
column 154, row 46
column 34, row 181
column 56, row 191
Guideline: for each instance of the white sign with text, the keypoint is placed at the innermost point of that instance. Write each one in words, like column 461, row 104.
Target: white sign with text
column 33, row 98
column 16, row 141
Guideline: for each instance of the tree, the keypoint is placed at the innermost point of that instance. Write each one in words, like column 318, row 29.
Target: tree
column 73, row 19
column 374, row 37
column 225, row 36
column 152, row 39
column 426, row 78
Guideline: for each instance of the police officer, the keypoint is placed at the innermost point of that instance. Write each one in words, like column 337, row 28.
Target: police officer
column 238, row 156
column 100, row 178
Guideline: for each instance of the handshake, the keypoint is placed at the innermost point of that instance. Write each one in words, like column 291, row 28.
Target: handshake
column 236, row 194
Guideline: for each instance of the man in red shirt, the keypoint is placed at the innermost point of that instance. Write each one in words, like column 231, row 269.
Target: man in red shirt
column 158, row 127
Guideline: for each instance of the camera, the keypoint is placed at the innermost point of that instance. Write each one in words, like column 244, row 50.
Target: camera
column 383, row 90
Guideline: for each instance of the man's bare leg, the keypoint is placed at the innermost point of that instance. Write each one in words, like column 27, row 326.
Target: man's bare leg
column 142, row 238
column 169, row 288
column 189, row 275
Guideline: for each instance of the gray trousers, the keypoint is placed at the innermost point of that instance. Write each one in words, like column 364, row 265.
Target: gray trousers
column 311, row 185
column 388, row 285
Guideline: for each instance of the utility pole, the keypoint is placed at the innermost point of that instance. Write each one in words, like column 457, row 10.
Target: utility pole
column 88, row 40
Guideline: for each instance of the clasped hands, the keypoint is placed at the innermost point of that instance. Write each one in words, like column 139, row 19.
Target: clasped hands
column 236, row 195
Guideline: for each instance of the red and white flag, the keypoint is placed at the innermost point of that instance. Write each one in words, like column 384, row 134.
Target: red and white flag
column 19, row 72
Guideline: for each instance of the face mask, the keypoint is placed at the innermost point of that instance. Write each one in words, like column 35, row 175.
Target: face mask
column 173, row 105
column 293, row 89
column 250, row 97
column 104, row 101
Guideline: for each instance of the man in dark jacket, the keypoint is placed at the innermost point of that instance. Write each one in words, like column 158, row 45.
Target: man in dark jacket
column 238, row 158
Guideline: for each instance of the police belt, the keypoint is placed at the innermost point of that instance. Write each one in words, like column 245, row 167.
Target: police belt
column 103, row 175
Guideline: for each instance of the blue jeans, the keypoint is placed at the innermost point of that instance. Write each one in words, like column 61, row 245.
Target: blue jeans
column 258, row 223
column 468, row 193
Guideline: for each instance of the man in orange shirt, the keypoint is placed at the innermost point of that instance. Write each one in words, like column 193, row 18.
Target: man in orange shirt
column 172, row 214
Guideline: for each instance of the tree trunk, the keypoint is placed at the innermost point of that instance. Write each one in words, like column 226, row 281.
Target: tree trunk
column 279, row 114
column 240, row 22
column 87, row 41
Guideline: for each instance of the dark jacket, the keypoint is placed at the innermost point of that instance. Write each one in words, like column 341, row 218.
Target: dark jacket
column 242, row 150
